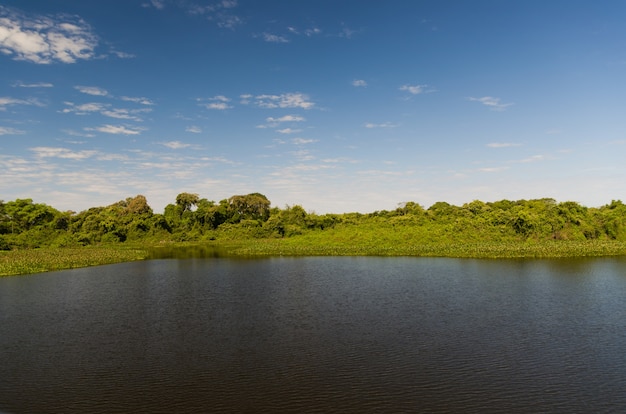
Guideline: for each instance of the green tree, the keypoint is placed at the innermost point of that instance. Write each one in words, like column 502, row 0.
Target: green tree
column 186, row 201
column 253, row 206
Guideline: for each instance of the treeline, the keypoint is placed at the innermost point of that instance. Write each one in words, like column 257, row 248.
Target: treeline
column 26, row 224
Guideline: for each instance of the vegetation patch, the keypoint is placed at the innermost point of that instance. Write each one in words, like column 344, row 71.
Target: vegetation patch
column 18, row 262
column 35, row 237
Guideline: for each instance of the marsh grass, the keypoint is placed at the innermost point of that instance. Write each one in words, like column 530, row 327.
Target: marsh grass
column 19, row 262
column 553, row 249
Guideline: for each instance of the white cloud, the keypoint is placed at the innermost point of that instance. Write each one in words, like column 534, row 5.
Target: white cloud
column 383, row 125
column 359, row 83
column 193, row 129
column 122, row 55
column 117, row 130
column 220, row 106
column 92, row 90
column 45, row 39
column 286, row 118
column 117, row 113
column 491, row 102
column 274, row 122
column 84, row 108
column 142, row 101
column 120, row 113
column 218, row 12
column 533, row 158
column 312, row 31
column 157, row 4
column 33, row 85
column 347, row 33
column 303, row 141
column 502, row 144
column 303, row 155
column 6, row 101
column 73, row 133
column 288, row 131
column 55, row 152
column 414, row 89
column 272, row 38
column 285, row 100
column 218, row 102
column 491, row 169
column 10, row 131
column 175, row 144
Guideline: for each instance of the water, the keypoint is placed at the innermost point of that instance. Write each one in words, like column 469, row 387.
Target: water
column 350, row 335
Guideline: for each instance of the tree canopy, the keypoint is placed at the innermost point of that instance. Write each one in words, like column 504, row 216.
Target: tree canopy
column 26, row 224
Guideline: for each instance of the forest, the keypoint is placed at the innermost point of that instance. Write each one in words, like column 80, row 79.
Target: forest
column 25, row 224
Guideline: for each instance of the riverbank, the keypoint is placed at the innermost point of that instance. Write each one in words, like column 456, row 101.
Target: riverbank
column 19, row 262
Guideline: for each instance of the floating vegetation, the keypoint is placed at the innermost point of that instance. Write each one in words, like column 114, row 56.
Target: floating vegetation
column 19, row 262
column 548, row 249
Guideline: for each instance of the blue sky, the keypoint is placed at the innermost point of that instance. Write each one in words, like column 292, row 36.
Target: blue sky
column 338, row 106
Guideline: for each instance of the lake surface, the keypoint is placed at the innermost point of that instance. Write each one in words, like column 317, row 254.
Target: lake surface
column 323, row 334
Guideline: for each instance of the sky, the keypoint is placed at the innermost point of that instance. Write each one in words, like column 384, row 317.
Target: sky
column 335, row 105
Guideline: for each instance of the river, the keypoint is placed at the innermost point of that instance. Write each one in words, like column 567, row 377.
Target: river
column 317, row 335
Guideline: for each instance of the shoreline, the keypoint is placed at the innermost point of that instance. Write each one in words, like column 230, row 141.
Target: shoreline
column 26, row 262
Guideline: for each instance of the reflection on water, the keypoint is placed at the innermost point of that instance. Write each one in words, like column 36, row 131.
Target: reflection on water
column 193, row 251
column 316, row 335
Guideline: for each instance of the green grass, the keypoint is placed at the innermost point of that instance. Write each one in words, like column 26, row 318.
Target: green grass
column 354, row 242
column 19, row 262
column 486, row 250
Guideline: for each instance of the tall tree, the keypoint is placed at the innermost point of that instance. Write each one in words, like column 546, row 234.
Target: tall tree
column 187, row 200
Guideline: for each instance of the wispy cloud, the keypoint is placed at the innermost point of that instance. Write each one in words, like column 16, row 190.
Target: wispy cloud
column 346, row 32
column 491, row 169
column 503, row 144
column 274, row 122
column 106, row 110
column 6, row 101
column 359, row 83
column 92, row 90
column 288, row 131
column 273, row 38
column 414, row 89
column 73, row 133
column 122, row 113
column 220, row 12
column 383, row 125
column 142, row 101
column 45, row 39
column 193, row 129
column 117, row 129
column 56, row 152
column 33, row 85
column 84, row 109
column 285, row 100
column 122, row 55
column 157, row 4
column 218, row 102
column 533, row 158
column 175, row 145
column 286, row 118
column 10, row 131
column 303, row 141
column 492, row 103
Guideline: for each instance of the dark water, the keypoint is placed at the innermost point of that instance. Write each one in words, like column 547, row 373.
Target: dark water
column 352, row 335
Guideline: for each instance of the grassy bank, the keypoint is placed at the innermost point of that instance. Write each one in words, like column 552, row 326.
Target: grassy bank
column 19, row 262
column 48, row 259
column 482, row 250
